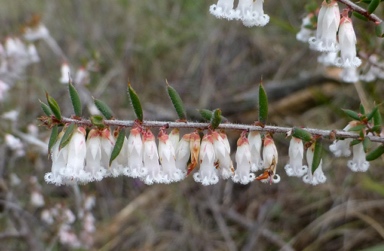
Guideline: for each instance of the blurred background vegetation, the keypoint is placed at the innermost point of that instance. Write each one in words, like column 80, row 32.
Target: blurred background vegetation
column 213, row 64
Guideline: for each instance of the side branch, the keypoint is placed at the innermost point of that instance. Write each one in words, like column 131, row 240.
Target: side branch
column 362, row 11
column 329, row 134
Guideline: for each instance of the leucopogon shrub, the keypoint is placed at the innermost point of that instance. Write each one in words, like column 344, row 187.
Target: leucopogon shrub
column 88, row 150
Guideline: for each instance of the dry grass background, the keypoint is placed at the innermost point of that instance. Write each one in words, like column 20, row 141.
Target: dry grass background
column 212, row 63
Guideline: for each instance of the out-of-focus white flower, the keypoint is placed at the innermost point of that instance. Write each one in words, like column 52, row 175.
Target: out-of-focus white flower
column 89, row 223
column 15, row 144
column 256, row 16
column 349, row 75
column 135, row 167
column 327, row 58
column 207, row 174
column 65, row 73
column 37, row 199
column 168, row 159
column 11, row 115
column 375, row 70
column 243, row 173
column 327, row 25
column 347, row 40
column 183, row 153
column 82, row 76
column 32, row 53
column 255, row 142
column 47, row 216
column 341, row 148
column 15, row 180
column 223, row 9
column 295, row 166
column 358, row 163
column 3, row 90
column 222, row 155
column 318, row 176
column 14, row 48
column 68, row 237
column 89, row 202
column 36, row 33
column 304, row 34
column 33, row 130
column 151, row 160
column 59, row 161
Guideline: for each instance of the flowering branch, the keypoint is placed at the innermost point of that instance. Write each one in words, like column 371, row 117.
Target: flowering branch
column 329, row 134
column 361, row 11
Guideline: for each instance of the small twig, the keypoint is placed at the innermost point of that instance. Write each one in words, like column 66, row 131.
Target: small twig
column 362, row 11
column 240, row 127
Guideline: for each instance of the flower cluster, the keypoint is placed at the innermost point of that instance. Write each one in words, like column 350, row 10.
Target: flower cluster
column 249, row 12
column 84, row 160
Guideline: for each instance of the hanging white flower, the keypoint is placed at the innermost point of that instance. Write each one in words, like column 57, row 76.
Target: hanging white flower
column 207, row 174
column 243, row 173
column 295, row 166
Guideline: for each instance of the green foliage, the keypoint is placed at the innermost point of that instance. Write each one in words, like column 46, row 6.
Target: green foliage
column 372, row 6
column 216, row 118
column 53, row 138
column 135, row 102
column 177, row 102
column 118, row 146
column 53, row 106
column 97, row 121
column 359, row 16
column 67, row 136
column 317, row 155
column 45, row 108
column 375, row 153
column 104, row 109
column 351, row 114
column 263, row 104
column 301, row 134
column 76, row 102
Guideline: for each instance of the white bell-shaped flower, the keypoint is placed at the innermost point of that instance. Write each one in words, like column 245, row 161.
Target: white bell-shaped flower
column 65, row 73
column 270, row 160
column 93, row 167
column 350, row 75
column 135, row 167
column 183, row 153
column 257, row 16
column 295, row 166
column 168, row 159
column 342, row 148
column 358, row 163
column 107, row 142
column 59, row 161
column 244, row 10
column 255, row 142
column 327, row 25
column 119, row 164
column 36, row 33
column 207, row 174
column 243, row 173
column 318, row 176
column 223, row 9
column 347, row 40
column 222, row 154
column 304, row 34
column 174, row 137
column 327, row 58
column 151, row 160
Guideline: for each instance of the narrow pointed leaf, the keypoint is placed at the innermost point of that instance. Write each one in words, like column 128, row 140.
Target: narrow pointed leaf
column 351, row 114
column 366, row 144
column 75, row 98
column 379, row 29
column 263, row 105
column 216, row 118
column 372, row 113
column 362, row 109
column 97, row 121
column 372, row 6
column 118, row 146
column 206, row 114
column 45, row 108
column 67, row 136
column 317, row 155
column 54, row 106
column 377, row 121
column 177, row 102
column 375, row 153
column 359, row 16
column 53, row 138
column 355, row 142
column 103, row 108
column 301, row 134
column 356, row 128
column 135, row 102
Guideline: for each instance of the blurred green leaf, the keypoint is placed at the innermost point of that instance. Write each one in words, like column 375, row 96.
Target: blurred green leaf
column 351, row 114
column 359, row 16
column 216, row 118
column 379, row 29
column 205, row 114
column 97, row 121
column 372, row 6
column 177, row 102
column 366, row 144
column 53, row 106
column 317, row 155
column 45, row 108
column 357, row 128
column 301, row 134
column 67, row 136
column 372, row 113
column 263, row 104
column 355, row 142
column 375, row 153
column 53, row 138
column 362, row 109
column 103, row 108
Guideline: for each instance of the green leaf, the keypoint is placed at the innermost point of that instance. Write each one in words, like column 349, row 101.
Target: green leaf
column 45, row 108
column 53, row 106
column 372, row 113
column 177, row 102
column 67, row 136
column 375, row 153
column 362, row 109
column 216, row 118
column 135, row 102
column 372, row 6
column 97, row 121
column 75, row 98
column 355, row 142
column 351, row 114
column 317, row 155
column 359, row 16
column 53, row 138
column 356, row 128
column 379, row 29
column 206, row 114
column 103, row 108
column 366, row 144
column 263, row 104
column 118, row 146
column 377, row 121
column 301, row 134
